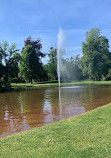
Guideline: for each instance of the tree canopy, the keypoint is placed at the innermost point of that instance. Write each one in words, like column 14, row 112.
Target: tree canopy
column 51, row 66
column 96, row 56
column 36, row 44
column 30, row 67
column 9, row 59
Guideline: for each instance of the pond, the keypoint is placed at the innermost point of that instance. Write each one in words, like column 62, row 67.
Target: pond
column 20, row 111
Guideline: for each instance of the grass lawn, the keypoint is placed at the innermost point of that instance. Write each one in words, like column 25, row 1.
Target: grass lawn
column 26, row 86
column 84, row 136
column 93, row 82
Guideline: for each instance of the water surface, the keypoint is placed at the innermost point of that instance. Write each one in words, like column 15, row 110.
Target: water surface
column 20, row 111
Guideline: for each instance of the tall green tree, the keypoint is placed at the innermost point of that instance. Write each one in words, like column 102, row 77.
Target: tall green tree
column 96, row 58
column 51, row 67
column 30, row 67
column 36, row 46
column 9, row 59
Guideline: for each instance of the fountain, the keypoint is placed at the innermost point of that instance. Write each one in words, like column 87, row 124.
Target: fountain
column 59, row 52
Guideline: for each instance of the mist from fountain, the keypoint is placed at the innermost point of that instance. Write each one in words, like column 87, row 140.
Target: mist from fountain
column 61, row 38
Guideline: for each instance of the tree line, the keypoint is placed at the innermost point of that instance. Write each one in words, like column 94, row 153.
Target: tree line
column 27, row 66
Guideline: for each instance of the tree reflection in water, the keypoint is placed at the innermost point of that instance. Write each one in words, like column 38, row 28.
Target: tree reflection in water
column 20, row 111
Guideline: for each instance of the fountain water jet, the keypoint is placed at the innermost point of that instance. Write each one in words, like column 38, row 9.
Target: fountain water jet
column 59, row 51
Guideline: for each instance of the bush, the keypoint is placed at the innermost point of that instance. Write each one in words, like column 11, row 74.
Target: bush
column 17, row 80
column 108, row 76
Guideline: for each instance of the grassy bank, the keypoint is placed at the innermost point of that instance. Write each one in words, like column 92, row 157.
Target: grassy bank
column 27, row 86
column 92, row 83
column 84, row 136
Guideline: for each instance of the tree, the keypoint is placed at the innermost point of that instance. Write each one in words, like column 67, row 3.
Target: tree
column 9, row 59
column 108, row 76
column 12, row 66
column 36, row 44
column 51, row 67
column 30, row 67
column 96, row 58
column 70, row 69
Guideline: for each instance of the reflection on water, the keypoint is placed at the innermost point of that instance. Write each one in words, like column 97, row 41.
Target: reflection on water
column 20, row 111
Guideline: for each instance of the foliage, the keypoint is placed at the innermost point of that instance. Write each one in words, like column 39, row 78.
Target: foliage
column 9, row 59
column 12, row 65
column 70, row 69
column 30, row 67
column 17, row 80
column 96, row 58
column 36, row 44
column 108, row 76
column 95, row 64
column 51, row 67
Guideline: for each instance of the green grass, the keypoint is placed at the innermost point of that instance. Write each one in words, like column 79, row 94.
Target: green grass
column 85, row 82
column 28, row 86
column 84, row 136
column 93, row 82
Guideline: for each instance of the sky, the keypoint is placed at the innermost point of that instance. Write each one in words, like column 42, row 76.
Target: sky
column 43, row 18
